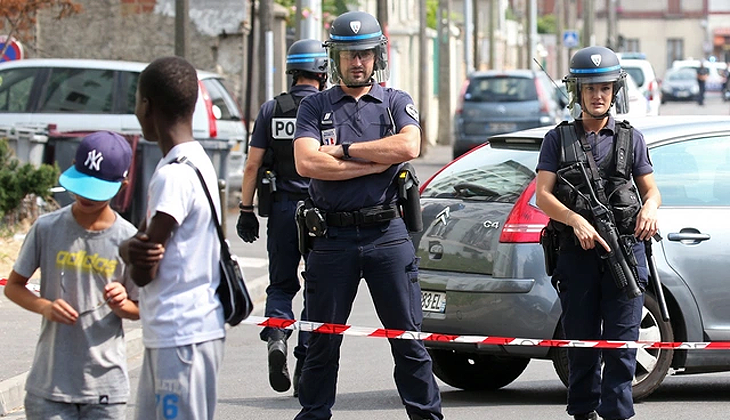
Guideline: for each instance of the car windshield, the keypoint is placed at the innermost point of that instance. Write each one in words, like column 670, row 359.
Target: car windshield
column 488, row 174
column 501, row 89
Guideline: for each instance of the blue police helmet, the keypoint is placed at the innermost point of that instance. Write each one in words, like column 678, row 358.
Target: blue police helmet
column 596, row 65
column 357, row 31
column 306, row 55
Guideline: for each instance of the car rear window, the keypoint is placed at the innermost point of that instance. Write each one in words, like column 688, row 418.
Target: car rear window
column 224, row 107
column 15, row 86
column 84, row 91
column 501, row 89
column 487, row 174
column 637, row 74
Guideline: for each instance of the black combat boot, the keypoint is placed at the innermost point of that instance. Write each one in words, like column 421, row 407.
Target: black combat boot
column 587, row 416
column 278, row 371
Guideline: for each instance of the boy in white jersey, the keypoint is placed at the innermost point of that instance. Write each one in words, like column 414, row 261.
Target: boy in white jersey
column 80, row 365
column 175, row 255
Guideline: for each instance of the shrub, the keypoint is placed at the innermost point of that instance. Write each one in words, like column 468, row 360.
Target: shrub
column 20, row 182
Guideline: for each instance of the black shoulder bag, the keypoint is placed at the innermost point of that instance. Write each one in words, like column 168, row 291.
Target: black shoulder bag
column 232, row 291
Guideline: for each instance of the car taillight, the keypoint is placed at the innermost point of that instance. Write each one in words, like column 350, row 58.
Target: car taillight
column 652, row 86
column 460, row 102
column 212, row 127
column 525, row 221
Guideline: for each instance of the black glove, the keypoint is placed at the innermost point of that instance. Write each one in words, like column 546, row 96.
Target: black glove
column 248, row 226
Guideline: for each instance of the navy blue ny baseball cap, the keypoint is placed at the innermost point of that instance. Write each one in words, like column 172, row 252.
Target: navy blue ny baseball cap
column 102, row 163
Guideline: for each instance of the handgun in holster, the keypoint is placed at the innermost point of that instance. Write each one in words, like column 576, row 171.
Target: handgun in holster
column 550, row 246
column 265, row 188
column 311, row 223
column 409, row 198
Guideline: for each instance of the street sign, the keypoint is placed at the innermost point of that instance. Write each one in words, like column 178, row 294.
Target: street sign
column 14, row 51
column 570, row 39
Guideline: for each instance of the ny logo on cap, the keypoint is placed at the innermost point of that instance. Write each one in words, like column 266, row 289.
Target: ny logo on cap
column 596, row 58
column 355, row 26
column 93, row 160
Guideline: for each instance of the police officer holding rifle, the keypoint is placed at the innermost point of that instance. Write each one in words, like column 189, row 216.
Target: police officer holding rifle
column 600, row 233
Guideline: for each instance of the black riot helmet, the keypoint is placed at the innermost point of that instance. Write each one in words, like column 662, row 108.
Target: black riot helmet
column 596, row 65
column 357, row 31
column 307, row 57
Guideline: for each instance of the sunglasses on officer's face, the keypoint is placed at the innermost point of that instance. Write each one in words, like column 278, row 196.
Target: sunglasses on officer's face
column 363, row 55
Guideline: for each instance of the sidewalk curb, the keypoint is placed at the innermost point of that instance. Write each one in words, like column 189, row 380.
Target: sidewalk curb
column 12, row 391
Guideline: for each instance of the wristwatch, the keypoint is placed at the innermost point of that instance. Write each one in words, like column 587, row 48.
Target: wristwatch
column 346, row 151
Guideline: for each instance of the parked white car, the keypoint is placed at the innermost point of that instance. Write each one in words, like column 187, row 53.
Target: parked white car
column 645, row 77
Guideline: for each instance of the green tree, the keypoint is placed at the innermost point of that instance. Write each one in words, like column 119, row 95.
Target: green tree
column 546, row 24
column 330, row 10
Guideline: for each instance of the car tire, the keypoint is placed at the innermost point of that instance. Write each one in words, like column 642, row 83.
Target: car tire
column 476, row 372
column 652, row 365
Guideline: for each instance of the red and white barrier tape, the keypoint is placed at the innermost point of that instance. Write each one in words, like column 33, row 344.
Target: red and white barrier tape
column 340, row 329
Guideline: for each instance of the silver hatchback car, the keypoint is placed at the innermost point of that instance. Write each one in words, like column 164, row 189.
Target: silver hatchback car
column 482, row 270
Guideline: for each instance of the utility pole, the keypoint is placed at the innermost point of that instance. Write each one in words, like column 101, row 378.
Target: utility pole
column 493, row 13
column 423, row 63
column 588, row 20
column 559, row 28
column 382, row 13
column 444, row 81
column 612, row 38
column 182, row 19
column 266, row 39
column 531, row 30
column 476, row 43
column 572, row 21
column 468, row 37
column 311, row 25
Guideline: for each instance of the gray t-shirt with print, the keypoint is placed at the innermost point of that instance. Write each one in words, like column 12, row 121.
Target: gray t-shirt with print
column 84, row 363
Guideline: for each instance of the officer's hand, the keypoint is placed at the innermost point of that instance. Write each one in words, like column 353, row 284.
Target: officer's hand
column 248, row 226
column 586, row 233
column 646, row 222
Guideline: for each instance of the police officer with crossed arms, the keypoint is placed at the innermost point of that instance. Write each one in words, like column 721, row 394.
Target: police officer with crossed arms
column 351, row 141
column 593, row 306
column 270, row 171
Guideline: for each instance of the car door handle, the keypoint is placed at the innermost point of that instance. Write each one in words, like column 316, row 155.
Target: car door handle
column 686, row 236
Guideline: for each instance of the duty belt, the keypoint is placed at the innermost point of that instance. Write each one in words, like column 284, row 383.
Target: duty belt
column 364, row 216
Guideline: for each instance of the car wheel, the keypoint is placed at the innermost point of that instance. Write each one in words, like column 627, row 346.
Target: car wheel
column 652, row 365
column 476, row 372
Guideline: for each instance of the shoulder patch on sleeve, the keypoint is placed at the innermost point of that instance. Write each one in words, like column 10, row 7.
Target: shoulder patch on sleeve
column 412, row 111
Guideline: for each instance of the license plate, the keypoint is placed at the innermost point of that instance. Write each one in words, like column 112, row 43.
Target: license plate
column 504, row 127
column 433, row 301
column 682, row 94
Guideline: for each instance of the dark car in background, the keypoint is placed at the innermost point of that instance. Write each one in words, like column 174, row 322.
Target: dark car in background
column 680, row 84
column 482, row 270
column 496, row 102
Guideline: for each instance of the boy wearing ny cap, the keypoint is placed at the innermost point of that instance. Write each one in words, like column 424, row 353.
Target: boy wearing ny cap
column 80, row 368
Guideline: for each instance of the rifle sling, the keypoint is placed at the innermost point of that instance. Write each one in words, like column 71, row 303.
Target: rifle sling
column 595, row 174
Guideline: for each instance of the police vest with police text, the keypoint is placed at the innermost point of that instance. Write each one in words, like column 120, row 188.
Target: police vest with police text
column 615, row 171
column 280, row 154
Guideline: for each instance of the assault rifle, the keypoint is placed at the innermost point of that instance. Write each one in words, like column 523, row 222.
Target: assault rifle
column 621, row 259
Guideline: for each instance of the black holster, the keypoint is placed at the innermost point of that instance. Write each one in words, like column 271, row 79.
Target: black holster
column 550, row 241
column 409, row 198
column 265, row 188
column 304, row 242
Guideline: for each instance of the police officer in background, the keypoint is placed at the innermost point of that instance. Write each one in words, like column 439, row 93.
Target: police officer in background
column 270, row 171
column 593, row 306
column 351, row 140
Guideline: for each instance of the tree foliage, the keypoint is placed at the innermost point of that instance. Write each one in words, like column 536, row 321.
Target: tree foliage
column 18, row 180
column 330, row 10
column 19, row 16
